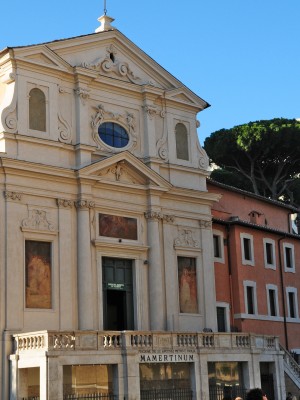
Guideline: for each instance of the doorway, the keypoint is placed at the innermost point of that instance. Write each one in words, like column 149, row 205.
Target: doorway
column 117, row 294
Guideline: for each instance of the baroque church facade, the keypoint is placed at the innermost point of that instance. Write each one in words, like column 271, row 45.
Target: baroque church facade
column 106, row 259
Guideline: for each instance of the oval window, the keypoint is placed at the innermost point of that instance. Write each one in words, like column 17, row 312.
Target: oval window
column 113, row 135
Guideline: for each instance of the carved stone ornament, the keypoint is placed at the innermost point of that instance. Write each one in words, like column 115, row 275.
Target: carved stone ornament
column 126, row 119
column 161, row 144
column 12, row 195
column 83, row 94
column 63, row 129
column 185, row 239
column 169, row 218
column 117, row 170
column 205, row 224
column 151, row 111
column 203, row 158
column 9, row 118
column 156, row 215
column 63, row 341
column 65, row 203
column 84, row 204
column 37, row 220
column 110, row 64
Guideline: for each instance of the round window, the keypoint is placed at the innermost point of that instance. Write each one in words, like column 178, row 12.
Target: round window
column 113, row 134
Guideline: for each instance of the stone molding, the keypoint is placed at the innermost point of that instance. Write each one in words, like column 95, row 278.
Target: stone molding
column 12, row 195
column 185, row 239
column 37, row 220
column 111, row 65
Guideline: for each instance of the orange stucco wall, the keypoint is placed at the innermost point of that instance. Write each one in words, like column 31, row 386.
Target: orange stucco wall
column 231, row 274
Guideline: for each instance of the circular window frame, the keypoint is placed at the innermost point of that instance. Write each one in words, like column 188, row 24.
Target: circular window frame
column 117, row 124
column 102, row 145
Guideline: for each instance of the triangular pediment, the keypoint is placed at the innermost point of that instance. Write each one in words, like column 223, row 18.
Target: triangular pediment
column 112, row 54
column 185, row 96
column 124, row 169
column 43, row 56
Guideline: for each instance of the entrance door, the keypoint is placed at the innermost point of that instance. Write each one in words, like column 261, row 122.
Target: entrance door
column 117, row 294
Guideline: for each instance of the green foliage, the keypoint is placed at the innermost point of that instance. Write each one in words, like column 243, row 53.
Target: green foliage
column 261, row 156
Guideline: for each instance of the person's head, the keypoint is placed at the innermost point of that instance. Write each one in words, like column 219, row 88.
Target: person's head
column 238, row 398
column 256, row 394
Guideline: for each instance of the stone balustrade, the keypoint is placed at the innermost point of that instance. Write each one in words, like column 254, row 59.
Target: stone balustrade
column 139, row 340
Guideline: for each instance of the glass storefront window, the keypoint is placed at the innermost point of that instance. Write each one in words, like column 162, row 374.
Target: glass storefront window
column 29, row 383
column 225, row 380
column 164, row 376
column 87, row 379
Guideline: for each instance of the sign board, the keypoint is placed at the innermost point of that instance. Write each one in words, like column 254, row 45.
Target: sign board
column 116, row 286
column 167, row 357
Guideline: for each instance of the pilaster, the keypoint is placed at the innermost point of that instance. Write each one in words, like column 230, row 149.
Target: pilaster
column 84, row 265
column 156, row 271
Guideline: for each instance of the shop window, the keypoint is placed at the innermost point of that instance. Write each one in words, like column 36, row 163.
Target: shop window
column 164, row 376
column 269, row 253
column 182, row 148
column 247, row 249
column 29, row 383
column 289, row 257
column 226, row 380
column 38, row 274
column 187, row 282
column 37, row 110
column 88, row 381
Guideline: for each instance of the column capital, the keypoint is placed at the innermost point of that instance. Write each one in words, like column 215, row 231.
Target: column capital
column 65, row 203
column 84, row 204
column 12, row 195
column 205, row 224
column 153, row 215
column 159, row 216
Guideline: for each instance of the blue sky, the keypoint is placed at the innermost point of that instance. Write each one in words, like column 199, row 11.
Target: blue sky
column 242, row 57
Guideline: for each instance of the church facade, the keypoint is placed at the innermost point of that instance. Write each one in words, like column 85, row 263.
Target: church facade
column 106, row 260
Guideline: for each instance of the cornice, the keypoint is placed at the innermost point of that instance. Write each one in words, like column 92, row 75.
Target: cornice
column 192, row 195
column 27, row 168
column 189, row 169
column 44, row 69
column 115, row 245
column 250, row 225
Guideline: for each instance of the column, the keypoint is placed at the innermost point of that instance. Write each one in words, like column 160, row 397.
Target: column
column 156, row 280
column 66, row 256
column 84, row 265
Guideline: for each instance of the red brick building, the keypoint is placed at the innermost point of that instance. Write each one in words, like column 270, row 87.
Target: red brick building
column 257, row 265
